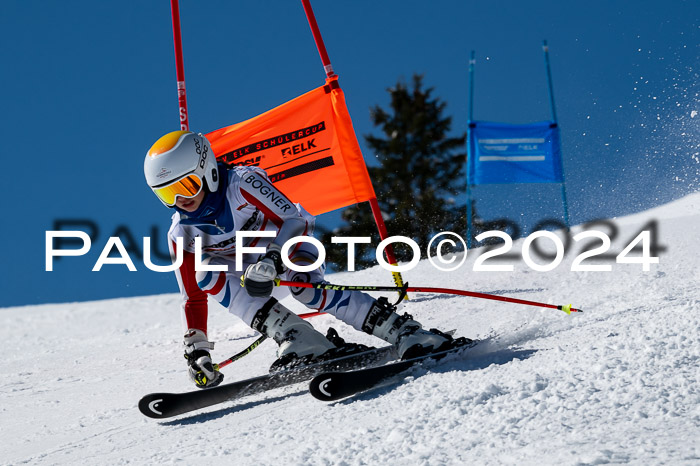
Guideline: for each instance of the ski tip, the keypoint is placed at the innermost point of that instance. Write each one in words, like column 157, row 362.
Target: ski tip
column 323, row 387
column 150, row 405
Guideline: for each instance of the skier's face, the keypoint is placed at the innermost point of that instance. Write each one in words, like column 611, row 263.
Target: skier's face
column 191, row 204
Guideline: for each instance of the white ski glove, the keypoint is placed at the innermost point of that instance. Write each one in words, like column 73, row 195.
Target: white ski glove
column 259, row 278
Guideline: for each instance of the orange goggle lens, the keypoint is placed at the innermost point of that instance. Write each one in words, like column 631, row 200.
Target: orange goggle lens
column 187, row 187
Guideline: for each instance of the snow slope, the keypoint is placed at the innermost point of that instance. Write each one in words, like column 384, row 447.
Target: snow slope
column 616, row 384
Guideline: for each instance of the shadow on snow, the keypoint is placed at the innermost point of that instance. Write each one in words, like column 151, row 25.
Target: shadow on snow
column 457, row 363
column 212, row 415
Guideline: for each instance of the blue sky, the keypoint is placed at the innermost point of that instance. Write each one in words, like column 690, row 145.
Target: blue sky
column 89, row 86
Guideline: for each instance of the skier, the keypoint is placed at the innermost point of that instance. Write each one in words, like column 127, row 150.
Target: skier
column 212, row 202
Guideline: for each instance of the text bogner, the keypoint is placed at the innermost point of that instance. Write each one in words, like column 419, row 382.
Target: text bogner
column 276, row 198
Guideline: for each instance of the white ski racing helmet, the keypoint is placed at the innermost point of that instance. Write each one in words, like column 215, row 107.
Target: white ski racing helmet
column 180, row 163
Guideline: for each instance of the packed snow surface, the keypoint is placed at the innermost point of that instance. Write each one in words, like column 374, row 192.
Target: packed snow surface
column 616, row 384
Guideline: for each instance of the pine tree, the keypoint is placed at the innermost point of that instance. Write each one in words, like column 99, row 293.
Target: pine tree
column 420, row 176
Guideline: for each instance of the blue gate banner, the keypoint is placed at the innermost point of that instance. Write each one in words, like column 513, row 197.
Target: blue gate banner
column 511, row 153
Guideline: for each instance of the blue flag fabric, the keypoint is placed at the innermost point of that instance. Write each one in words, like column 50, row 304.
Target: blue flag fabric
column 510, row 153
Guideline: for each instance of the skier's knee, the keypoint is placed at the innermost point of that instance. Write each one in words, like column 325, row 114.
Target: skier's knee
column 214, row 284
column 301, row 294
column 207, row 279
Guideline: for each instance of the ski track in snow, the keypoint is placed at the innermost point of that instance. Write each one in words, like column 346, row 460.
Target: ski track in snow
column 617, row 384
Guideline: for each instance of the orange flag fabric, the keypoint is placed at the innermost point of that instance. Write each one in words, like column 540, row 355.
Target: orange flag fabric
column 308, row 148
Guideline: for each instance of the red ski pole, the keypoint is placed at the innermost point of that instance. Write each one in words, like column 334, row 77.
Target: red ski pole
column 420, row 289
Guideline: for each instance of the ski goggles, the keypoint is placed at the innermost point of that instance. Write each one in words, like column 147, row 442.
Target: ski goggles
column 187, row 187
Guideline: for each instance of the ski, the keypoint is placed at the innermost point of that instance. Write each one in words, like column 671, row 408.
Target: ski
column 164, row 405
column 331, row 386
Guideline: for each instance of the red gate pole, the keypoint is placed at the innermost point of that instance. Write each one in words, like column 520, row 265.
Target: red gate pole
column 179, row 67
column 328, row 68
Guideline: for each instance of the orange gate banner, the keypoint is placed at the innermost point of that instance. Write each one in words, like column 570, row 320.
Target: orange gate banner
column 308, row 148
